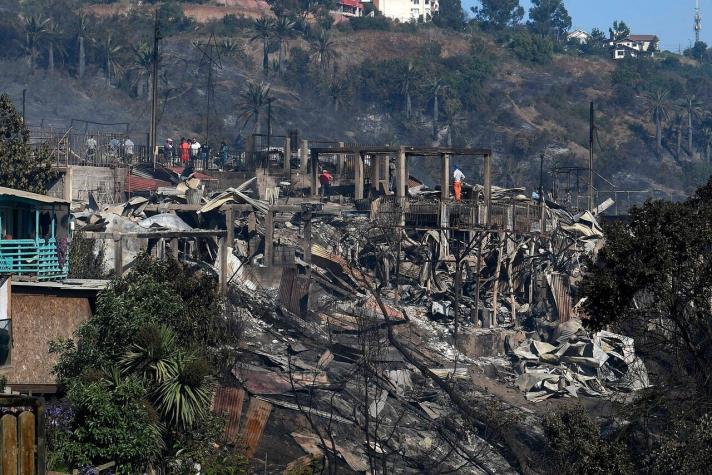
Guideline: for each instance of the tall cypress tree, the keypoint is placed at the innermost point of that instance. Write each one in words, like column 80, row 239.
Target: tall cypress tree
column 21, row 167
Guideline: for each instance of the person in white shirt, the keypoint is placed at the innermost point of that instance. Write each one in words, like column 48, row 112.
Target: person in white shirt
column 129, row 148
column 458, row 177
column 194, row 149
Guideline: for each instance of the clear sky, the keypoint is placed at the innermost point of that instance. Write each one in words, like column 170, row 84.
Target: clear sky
column 671, row 20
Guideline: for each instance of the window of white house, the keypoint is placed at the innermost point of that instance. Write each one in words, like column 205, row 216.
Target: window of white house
column 5, row 341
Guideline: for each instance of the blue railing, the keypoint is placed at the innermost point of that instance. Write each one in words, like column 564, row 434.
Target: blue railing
column 33, row 257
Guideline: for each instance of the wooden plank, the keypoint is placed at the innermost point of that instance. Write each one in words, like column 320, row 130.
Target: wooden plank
column 9, row 445
column 27, row 443
column 257, row 415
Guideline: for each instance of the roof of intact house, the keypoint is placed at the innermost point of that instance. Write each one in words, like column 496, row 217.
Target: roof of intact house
column 641, row 38
column 11, row 192
column 351, row 3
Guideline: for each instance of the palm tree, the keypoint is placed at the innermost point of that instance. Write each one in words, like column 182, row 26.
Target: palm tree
column 707, row 138
column 657, row 107
column 283, row 30
column 693, row 106
column 82, row 28
column 406, row 87
column 142, row 66
column 253, row 99
column 36, row 30
column 54, row 35
column 185, row 395
column 263, row 30
column 338, row 89
column 435, row 86
column 454, row 117
column 678, row 121
column 152, row 355
column 110, row 49
column 323, row 51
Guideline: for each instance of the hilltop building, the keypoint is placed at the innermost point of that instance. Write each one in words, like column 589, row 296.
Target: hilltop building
column 350, row 7
column 407, row 10
column 635, row 46
column 580, row 36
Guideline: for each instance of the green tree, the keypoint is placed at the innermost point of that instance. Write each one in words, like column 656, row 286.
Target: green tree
column 284, row 28
column 82, row 27
column 110, row 422
column 263, row 29
column 450, row 15
column 707, row 140
column 110, row 48
column 323, row 50
column 36, row 30
column 21, row 167
column 54, row 36
column 499, row 13
column 697, row 51
column 534, row 48
column 253, row 100
column 619, row 30
column 406, row 87
column 657, row 107
column 142, row 68
column 550, row 18
column 693, row 107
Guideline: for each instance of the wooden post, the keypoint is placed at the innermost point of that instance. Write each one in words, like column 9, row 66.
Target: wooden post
column 27, row 443
column 488, row 188
column 387, row 173
column 401, row 178
column 375, row 172
column 250, row 151
column 479, row 280
column 304, row 157
column 223, row 263
column 314, row 174
column 287, row 155
column 174, row 248
column 118, row 255
column 67, row 184
column 358, row 175
column 445, row 177
column 308, row 243
column 341, row 161
column 269, row 237
column 8, row 432
column 495, row 292
column 230, row 225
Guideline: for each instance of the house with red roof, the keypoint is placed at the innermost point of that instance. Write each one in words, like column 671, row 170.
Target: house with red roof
column 350, row 7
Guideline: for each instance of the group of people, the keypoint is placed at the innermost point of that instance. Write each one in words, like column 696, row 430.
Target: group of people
column 118, row 146
column 191, row 149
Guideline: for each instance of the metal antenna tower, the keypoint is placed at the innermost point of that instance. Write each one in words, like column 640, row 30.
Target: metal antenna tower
column 211, row 57
column 698, row 21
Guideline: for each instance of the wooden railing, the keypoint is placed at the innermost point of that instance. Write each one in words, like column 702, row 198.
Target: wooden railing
column 33, row 257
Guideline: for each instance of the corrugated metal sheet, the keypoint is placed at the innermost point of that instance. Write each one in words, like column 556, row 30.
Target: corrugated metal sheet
column 293, row 289
column 561, row 290
column 258, row 414
column 228, row 402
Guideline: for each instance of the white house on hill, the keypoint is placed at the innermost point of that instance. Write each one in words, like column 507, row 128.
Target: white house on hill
column 407, row 10
column 634, row 46
column 580, row 36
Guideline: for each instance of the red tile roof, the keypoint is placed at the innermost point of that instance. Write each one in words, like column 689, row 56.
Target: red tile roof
column 351, row 3
column 137, row 184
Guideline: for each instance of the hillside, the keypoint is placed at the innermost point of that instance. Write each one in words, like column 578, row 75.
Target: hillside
column 371, row 81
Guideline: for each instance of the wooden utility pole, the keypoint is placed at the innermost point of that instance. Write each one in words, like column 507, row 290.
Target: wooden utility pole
column 591, row 130
column 152, row 136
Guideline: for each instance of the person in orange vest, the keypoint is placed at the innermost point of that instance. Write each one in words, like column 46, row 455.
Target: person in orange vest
column 325, row 180
column 458, row 177
column 184, row 150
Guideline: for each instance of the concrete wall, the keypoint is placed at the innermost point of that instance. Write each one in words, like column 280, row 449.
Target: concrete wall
column 99, row 181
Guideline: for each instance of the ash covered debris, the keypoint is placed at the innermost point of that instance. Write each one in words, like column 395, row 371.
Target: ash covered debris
column 413, row 336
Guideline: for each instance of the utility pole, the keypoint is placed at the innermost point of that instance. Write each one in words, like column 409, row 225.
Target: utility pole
column 211, row 55
column 592, row 128
column 152, row 139
column 698, row 22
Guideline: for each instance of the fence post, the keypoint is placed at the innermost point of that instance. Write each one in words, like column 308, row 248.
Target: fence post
column 8, row 460
column 287, row 155
column 304, row 156
column 27, row 443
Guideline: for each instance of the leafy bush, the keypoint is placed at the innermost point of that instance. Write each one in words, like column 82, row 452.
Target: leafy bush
column 531, row 48
column 576, row 446
column 378, row 22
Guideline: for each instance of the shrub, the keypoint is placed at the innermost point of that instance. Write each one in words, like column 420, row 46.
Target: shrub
column 531, row 48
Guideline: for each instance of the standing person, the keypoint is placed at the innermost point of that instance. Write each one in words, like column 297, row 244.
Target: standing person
column 194, row 149
column 223, row 153
column 391, row 175
column 91, row 147
column 325, row 180
column 184, row 150
column 458, row 177
column 129, row 149
column 168, row 151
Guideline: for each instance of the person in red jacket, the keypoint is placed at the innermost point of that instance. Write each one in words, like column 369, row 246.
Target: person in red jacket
column 325, row 180
column 184, row 150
